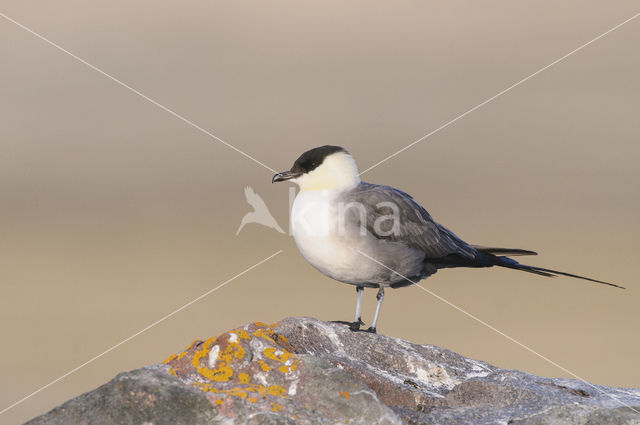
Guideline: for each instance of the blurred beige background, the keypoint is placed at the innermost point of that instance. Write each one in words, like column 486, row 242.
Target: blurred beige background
column 113, row 213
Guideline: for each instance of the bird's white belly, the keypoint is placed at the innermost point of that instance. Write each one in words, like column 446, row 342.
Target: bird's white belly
column 325, row 243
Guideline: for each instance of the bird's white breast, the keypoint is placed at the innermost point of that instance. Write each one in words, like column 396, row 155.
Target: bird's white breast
column 323, row 241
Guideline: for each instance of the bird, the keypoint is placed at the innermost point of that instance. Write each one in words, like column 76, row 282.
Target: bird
column 260, row 213
column 376, row 236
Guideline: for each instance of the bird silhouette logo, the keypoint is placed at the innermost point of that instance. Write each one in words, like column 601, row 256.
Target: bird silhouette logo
column 260, row 213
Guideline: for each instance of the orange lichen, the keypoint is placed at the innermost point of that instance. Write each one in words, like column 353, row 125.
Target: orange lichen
column 276, row 407
column 216, row 360
column 224, row 371
column 264, row 333
column 283, row 338
column 261, row 389
column 273, row 390
column 265, row 367
column 276, row 390
column 203, row 352
column 345, row 394
column 270, row 353
column 242, row 334
column 238, row 392
column 219, row 402
column 198, row 355
column 220, row 374
column 172, row 371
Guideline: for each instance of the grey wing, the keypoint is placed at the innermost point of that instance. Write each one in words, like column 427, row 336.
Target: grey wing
column 394, row 215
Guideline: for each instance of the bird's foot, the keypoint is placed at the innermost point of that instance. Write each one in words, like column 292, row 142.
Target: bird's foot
column 354, row 326
column 370, row 329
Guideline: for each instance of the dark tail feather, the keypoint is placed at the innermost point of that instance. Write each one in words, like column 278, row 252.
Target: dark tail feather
column 513, row 264
column 504, row 251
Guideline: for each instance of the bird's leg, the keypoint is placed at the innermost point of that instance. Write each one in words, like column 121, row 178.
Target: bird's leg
column 379, row 297
column 355, row 325
column 358, row 320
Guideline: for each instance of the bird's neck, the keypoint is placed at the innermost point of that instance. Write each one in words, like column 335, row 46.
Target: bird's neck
column 338, row 173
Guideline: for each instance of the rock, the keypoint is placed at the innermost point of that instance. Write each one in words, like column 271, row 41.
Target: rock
column 141, row 396
column 305, row 371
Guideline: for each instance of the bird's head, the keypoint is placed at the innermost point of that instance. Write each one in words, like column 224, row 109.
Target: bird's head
column 324, row 168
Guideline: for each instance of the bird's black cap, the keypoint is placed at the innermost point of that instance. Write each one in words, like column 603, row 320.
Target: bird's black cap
column 311, row 159
column 308, row 161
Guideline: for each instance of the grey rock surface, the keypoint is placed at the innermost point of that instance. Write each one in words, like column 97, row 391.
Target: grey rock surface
column 305, row 371
column 146, row 395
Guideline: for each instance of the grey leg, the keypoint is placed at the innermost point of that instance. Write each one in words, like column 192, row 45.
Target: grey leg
column 379, row 297
column 355, row 325
column 359, row 291
column 358, row 320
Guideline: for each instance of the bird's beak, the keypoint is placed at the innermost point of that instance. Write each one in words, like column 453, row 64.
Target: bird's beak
column 283, row 176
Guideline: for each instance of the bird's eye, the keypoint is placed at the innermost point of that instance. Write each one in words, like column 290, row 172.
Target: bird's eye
column 314, row 164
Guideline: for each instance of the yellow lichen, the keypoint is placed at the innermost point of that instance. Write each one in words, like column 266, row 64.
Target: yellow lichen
column 265, row 367
column 220, row 374
column 234, row 351
column 284, row 369
column 172, row 371
column 224, row 371
column 258, row 389
column 264, row 333
column 283, row 338
column 203, row 352
column 242, row 334
column 238, row 392
column 270, row 353
column 276, row 407
column 276, row 390
column 219, row 402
